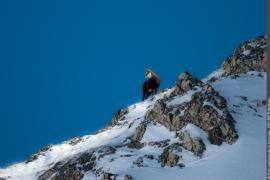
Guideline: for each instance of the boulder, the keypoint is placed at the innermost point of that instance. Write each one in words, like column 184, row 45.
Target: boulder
column 194, row 145
column 185, row 82
column 169, row 156
column 128, row 177
column 249, row 56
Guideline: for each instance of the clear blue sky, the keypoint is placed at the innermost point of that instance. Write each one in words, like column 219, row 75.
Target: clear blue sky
column 67, row 66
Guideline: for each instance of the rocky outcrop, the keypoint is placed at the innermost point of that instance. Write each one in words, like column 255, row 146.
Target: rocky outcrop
column 119, row 116
column 159, row 144
column 128, row 177
column 214, row 136
column 194, row 145
column 138, row 162
column 41, row 152
column 137, row 136
column 203, row 107
column 169, row 156
column 105, row 150
column 249, row 56
column 71, row 169
column 185, row 82
column 109, row 176
column 75, row 140
column 139, row 132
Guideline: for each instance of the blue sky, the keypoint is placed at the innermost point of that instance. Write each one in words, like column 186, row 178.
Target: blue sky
column 67, row 66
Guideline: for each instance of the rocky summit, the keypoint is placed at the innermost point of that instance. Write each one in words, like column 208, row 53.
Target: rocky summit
column 198, row 129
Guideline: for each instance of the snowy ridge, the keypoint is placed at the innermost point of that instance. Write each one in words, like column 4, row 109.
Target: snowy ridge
column 186, row 132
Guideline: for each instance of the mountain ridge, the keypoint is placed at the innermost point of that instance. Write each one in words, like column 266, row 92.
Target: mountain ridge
column 175, row 129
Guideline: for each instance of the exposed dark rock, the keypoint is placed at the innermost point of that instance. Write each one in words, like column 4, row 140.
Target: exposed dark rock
column 249, row 56
column 169, row 157
column 105, row 150
column 139, row 132
column 194, row 145
column 59, row 171
column 126, row 155
column 260, row 103
column 137, row 136
column 214, row 136
column 109, row 176
column 206, row 109
column 128, row 177
column 185, row 82
column 244, row 98
column 40, row 152
column 75, row 140
column 119, row 116
column 71, row 169
column 135, row 145
column 139, row 162
column 148, row 156
column 160, row 144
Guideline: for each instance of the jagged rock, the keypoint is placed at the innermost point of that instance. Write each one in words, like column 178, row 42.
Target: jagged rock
column 160, row 144
column 128, row 177
column 40, row 152
column 75, row 140
column 214, row 136
column 137, row 136
column 138, row 162
column 249, row 56
column 119, row 116
column 260, row 103
column 135, row 145
column 169, row 157
column 72, row 169
column 126, row 155
column 205, row 109
column 59, row 172
column 139, row 132
column 109, row 176
column 185, row 82
column 148, row 156
column 105, row 150
column 194, row 145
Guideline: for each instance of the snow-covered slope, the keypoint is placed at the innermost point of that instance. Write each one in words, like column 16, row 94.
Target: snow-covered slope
column 210, row 129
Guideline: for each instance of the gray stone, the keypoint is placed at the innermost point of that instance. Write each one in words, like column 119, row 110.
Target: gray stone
column 169, row 157
column 242, row 62
column 109, row 176
column 194, row 145
column 128, row 177
column 119, row 116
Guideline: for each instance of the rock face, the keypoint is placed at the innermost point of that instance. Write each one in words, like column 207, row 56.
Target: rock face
column 249, row 56
column 185, row 82
column 139, row 132
column 109, row 176
column 41, row 152
column 194, row 145
column 137, row 136
column 119, row 116
column 204, row 108
column 128, row 177
column 73, row 169
column 70, row 170
column 169, row 157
